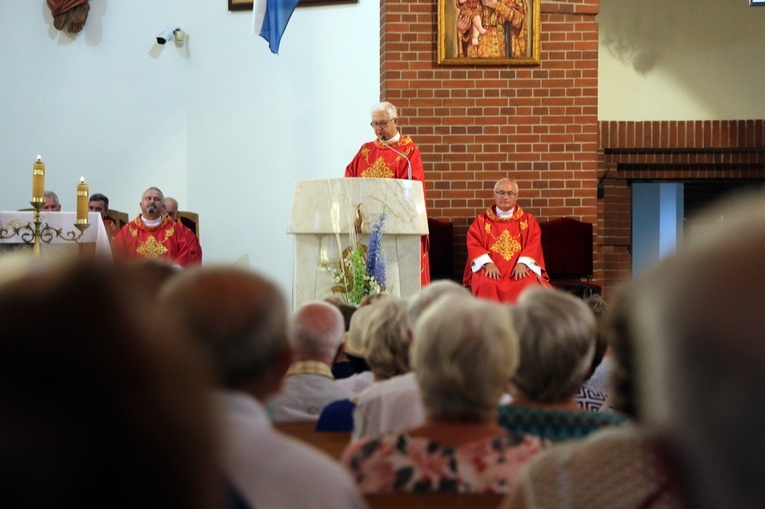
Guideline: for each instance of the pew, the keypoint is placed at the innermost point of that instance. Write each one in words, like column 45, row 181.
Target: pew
column 331, row 442
column 334, row 442
column 440, row 500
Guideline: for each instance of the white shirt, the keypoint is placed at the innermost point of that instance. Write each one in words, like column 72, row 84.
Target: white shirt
column 388, row 406
column 358, row 382
column 272, row 470
column 305, row 393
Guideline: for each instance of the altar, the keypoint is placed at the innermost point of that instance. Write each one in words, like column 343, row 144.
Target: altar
column 94, row 239
column 325, row 217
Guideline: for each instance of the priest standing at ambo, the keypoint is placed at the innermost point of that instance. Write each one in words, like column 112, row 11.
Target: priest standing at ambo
column 391, row 155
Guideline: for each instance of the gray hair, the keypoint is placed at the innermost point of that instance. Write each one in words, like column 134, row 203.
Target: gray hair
column 236, row 316
column 387, row 338
column 464, row 352
column 51, row 194
column 506, row 179
column 557, row 334
column 386, row 107
column 161, row 194
column 420, row 301
column 316, row 329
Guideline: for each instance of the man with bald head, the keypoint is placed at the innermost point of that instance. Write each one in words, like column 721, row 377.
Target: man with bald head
column 239, row 320
column 316, row 333
column 152, row 234
column 171, row 207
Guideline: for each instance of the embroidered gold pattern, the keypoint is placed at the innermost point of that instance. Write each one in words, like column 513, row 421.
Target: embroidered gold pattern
column 506, row 246
column 378, row 170
column 524, row 225
column 151, row 249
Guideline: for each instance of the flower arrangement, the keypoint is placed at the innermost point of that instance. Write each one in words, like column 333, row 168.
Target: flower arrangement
column 361, row 269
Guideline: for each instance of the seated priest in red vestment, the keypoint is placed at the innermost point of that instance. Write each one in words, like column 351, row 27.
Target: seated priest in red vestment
column 100, row 203
column 391, row 155
column 153, row 234
column 504, row 246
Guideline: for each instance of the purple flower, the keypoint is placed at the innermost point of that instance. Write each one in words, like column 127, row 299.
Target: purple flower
column 375, row 261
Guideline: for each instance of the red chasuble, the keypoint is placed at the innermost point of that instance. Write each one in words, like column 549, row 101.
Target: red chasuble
column 375, row 160
column 111, row 229
column 169, row 240
column 504, row 240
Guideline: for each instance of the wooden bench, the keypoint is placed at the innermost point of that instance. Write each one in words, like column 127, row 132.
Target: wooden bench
column 331, row 442
column 334, row 442
column 439, row 500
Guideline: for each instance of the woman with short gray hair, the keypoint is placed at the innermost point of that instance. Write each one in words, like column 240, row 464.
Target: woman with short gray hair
column 463, row 353
column 556, row 334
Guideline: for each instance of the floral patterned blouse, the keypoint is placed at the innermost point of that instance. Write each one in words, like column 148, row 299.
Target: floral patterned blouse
column 405, row 463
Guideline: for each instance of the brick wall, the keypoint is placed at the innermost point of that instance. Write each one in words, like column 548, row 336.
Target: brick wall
column 539, row 125
column 665, row 151
column 476, row 124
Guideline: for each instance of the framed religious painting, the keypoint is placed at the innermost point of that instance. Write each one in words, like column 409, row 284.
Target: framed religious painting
column 488, row 32
column 246, row 5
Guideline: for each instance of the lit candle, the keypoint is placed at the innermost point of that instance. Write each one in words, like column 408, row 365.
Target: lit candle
column 82, row 202
column 38, row 181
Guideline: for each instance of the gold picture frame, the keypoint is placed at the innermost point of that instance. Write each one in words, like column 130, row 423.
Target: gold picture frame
column 246, row 5
column 508, row 34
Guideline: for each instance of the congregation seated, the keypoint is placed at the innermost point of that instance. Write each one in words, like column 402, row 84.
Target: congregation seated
column 464, row 351
column 316, row 334
column 395, row 404
column 99, row 409
column 593, row 393
column 697, row 360
column 239, row 320
column 342, row 367
column 618, row 467
column 557, row 336
column 384, row 335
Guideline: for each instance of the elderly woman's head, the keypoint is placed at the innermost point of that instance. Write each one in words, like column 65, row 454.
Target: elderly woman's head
column 386, row 337
column 557, row 335
column 464, row 352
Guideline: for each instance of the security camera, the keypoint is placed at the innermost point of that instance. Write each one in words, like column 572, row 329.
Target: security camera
column 165, row 35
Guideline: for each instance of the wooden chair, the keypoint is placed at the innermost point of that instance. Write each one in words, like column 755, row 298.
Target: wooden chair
column 331, row 442
column 120, row 219
column 567, row 249
column 190, row 220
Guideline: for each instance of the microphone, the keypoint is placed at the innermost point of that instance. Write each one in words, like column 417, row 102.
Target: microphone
column 384, row 141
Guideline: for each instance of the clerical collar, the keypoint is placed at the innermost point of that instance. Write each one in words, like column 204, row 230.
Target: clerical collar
column 151, row 223
column 504, row 215
column 394, row 139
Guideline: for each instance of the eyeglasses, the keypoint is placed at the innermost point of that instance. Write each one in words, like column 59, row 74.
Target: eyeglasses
column 509, row 194
column 383, row 123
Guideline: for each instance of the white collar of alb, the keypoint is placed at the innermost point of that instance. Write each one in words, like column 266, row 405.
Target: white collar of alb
column 504, row 215
column 151, row 223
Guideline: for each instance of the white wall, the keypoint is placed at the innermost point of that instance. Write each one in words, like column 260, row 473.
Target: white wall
column 223, row 125
column 681, row 60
